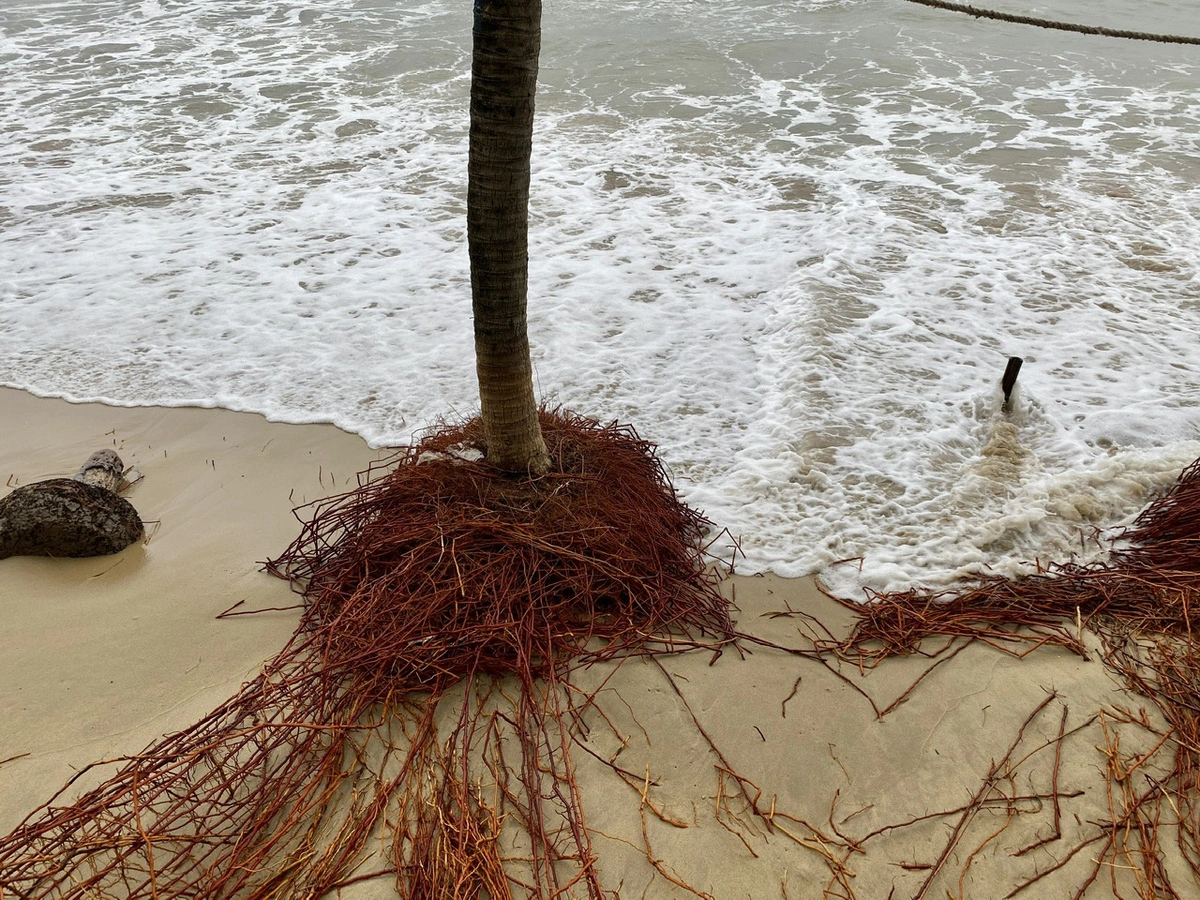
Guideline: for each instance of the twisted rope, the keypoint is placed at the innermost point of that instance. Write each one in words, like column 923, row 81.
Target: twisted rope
column 1057, row 26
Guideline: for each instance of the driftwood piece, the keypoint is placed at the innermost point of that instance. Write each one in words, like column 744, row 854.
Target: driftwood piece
column 103, row 469
column 73, row 517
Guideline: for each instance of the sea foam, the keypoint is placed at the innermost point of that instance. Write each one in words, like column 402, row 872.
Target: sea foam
column 793, row 243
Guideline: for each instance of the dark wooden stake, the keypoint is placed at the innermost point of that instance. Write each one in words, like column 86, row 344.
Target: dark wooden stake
column 1009, row 381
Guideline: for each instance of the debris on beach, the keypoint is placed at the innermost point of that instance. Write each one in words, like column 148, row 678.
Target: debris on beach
column 71, row 517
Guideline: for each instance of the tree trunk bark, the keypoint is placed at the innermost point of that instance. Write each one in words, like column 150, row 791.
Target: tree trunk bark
column 507, row 40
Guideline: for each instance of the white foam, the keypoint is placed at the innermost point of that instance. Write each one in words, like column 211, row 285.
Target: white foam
column 791, row 243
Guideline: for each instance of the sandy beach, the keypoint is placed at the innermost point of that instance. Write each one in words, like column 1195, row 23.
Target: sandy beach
column 765, row 773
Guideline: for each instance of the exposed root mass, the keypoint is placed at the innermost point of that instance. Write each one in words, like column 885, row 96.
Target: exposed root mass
column 423, row 700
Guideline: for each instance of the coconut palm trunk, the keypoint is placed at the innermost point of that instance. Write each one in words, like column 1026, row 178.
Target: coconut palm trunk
column 507, row 39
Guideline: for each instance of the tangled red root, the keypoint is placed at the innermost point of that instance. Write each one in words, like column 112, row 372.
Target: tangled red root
column 438, row 574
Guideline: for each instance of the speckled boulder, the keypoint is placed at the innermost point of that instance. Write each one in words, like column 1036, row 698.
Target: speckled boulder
column 66, row 517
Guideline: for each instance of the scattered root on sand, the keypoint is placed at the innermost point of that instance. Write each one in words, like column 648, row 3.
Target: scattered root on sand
column 1141, row 603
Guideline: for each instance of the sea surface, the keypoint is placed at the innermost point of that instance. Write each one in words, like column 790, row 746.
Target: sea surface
column 793, row 243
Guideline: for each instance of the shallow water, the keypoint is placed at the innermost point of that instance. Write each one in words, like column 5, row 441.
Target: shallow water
column 793, row 243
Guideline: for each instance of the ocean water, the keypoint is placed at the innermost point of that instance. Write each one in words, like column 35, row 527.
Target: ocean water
column 791, row 242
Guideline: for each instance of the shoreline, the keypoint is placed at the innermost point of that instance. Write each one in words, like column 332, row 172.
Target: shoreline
column 103, row 656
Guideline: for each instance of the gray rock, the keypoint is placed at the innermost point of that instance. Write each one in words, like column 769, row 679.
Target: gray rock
column 73, row 517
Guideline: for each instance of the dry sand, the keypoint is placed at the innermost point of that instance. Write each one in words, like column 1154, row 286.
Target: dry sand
column 102, row 656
